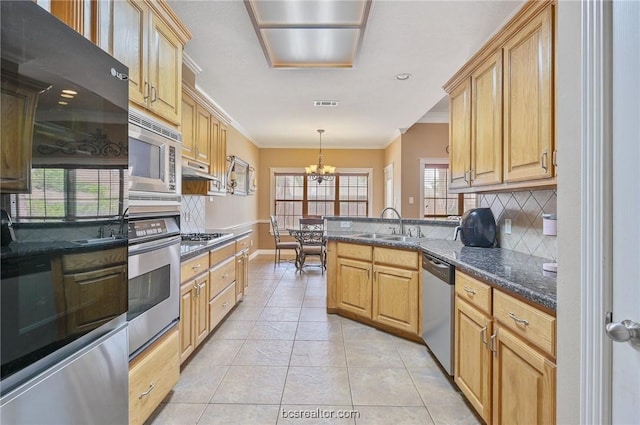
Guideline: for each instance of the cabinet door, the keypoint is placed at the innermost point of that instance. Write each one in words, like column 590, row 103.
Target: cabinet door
column 523, row 383
column 203, row 135
column 187, row 343
column 460, row 135
column 486, row 120
column 201, row 311
column 221, row 161
column 354, row 286
column 472, row 364
column 395, row 298
column 125, row 38
column 528, row 101
column 188, row 127
column 240, row 276
column 165, row 71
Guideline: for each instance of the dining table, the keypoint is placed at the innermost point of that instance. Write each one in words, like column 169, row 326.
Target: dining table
column 307, row 237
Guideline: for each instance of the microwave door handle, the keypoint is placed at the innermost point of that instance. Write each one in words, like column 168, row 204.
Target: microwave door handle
column 163, row 155
column 153, row 245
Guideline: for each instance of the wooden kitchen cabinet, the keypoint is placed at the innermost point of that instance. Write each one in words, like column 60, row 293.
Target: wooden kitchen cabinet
column 504, row 355
column 147, row 37
column 242, row 266
column 222, row 296
column 188, row 126
column 152, row 374
column 219, row 158
column 501, row 134
column 528, row 101
column 18, row 102
column 460, row 135
column 194, row 299
column 472, row 358
column 378, row 284
column 354, row 287
column 395, row 297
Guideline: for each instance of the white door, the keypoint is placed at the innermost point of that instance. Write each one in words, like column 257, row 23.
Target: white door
column 388, row 186
column 626, row 207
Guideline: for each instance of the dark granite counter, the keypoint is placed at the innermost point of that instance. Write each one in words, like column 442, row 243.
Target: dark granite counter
column 512, row 271
column 55, row 248
column 193, row 249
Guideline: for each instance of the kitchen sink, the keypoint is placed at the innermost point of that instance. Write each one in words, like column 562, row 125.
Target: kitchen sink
column 401, row 238
column 97, row 240
column 372, row 236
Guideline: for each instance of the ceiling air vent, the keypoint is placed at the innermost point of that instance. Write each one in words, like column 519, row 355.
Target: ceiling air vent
column 325, row 103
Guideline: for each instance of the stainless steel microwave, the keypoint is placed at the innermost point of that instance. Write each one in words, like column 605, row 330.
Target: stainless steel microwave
column 154, row 159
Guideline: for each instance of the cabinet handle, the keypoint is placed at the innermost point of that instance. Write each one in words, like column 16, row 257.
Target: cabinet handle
column 197, row 289
column 240, row 260
column 224, row 276
column 196, row 267
column 465, row 176
column 154, row 93
column 483, row 335
column 554, row 158
column 146, row 91
column 146, row 393
column 201, row 285
column 225, row 304
column 469, row 290
column 472, row 175
column 492, row 341
column 518, row 320
column 544, row 161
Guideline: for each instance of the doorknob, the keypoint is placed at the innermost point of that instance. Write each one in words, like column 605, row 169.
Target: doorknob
column 625, row 331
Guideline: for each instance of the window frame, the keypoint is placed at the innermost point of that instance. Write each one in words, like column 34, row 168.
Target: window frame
column 424, row 163
column 274, row 171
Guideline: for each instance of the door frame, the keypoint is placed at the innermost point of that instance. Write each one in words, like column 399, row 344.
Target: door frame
column 596, row 211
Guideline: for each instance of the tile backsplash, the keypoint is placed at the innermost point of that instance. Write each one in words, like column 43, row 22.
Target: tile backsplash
column 525, row 210
column 192, row 214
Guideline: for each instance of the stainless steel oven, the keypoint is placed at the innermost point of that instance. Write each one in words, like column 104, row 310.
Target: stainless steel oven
column 154, row 279
column 153, row 152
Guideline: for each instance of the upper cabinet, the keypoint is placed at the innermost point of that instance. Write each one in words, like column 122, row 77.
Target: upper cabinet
column 148, row 38
column 502, row 108
column 528, row 97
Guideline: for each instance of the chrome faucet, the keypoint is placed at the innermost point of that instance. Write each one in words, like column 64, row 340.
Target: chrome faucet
column 399, row 217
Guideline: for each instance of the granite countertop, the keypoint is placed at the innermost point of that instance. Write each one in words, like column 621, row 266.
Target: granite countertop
column 53, row 248
column 189, row 249
column 512, row 271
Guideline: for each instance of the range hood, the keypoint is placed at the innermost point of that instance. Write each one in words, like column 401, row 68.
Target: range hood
column 192, row 170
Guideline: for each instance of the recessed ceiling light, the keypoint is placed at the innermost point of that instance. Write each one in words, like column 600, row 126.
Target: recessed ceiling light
column 62, row 102
column 402, row 77
column 69, row 91
column 66, row 96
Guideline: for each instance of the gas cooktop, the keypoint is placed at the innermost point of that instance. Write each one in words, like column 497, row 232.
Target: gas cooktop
column 201, row 237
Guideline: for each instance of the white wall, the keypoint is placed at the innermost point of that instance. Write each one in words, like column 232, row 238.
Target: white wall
column 569, row 199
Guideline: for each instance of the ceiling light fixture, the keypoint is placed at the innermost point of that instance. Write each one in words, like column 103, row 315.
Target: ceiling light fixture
column 402, row 76
column 319, row 171
column 69, row 91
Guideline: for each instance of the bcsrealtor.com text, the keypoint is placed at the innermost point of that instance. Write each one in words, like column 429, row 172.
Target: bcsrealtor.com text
column 319, row 413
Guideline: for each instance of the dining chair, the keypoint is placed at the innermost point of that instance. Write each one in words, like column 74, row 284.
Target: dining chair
column 312, row 242
column 280, row 245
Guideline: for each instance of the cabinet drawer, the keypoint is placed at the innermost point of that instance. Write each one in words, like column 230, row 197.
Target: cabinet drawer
column 221, row 276
column 243, row 243
column 537, row 327
column 396, row 257
column 222, row 253
column 194, row 267
column 221, row 305
column 474, row 292
column 93, row 260
column 359, row 252
column 152, row 375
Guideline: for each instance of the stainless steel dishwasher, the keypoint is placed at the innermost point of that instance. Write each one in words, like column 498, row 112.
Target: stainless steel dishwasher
column 438, row 280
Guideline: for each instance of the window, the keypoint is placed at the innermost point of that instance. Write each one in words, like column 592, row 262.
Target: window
column 296, row 196
column 59, row 194
column 438, row 202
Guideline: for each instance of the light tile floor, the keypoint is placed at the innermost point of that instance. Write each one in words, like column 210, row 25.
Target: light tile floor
column 279, row 355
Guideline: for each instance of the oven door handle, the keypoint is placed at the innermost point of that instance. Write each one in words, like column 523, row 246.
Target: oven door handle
column 153, row 245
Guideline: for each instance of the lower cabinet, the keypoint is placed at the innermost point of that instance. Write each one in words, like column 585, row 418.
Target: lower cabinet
column 222, row 304
column 152, row 374
column 193, row 315
column 504, row 355
column 378, row 284
column 355, row 287
column 242, row 273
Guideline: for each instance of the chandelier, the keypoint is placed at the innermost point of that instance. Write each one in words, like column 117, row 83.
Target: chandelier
column 320, row 172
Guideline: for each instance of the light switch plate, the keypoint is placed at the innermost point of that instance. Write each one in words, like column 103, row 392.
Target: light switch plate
column 411, row 199
column 507, row 226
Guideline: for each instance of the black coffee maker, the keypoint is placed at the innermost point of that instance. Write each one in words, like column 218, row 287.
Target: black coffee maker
column 6, row 228
column 477, row 228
